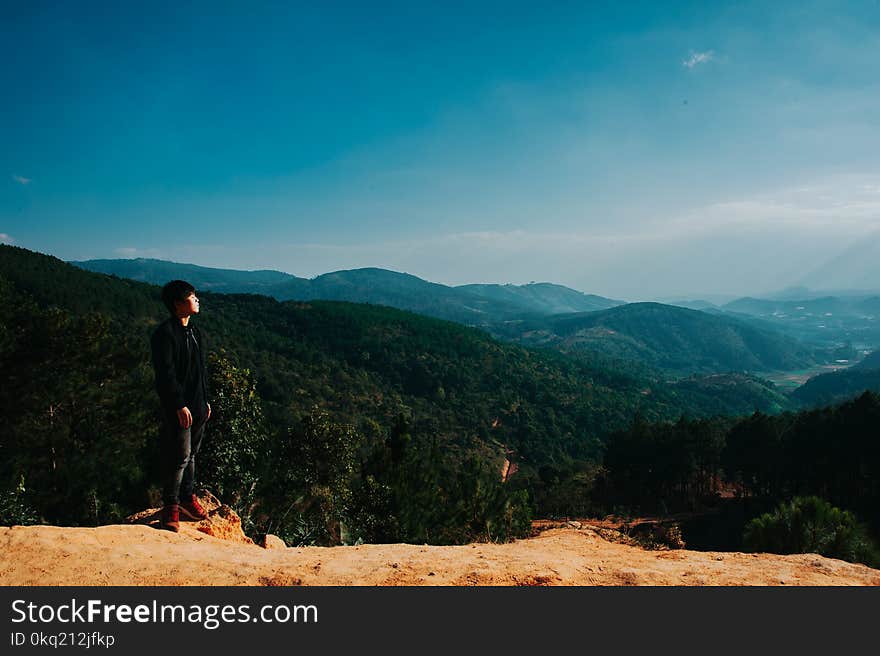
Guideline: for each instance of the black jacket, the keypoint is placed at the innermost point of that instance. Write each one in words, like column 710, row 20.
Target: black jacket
column 179, row 364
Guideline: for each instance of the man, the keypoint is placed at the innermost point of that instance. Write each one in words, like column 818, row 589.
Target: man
column 179, row 362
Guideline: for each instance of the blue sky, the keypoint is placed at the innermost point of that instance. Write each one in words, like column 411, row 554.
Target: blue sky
column 629, row 149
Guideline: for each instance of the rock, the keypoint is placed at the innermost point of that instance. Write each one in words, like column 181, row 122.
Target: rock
column 269, row 541
column 222, row 522
column 657, row 535
column 576, row 525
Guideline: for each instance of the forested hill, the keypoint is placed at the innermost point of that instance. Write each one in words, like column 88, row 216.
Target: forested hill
column 838, row 386
column 402, row 291
column 538, row 314
column 543, row 297
column 668, row 337
column 203, row 278
column 479, row 305
column 327, row 414
column 363, row 362
column 79, row 410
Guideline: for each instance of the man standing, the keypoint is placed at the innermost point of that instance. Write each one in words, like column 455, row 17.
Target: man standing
column 179, row 362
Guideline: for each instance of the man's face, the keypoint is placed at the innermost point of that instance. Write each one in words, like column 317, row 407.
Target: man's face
column 188, row 306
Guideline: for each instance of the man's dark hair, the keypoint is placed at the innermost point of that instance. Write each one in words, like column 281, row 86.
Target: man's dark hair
column 176, row 290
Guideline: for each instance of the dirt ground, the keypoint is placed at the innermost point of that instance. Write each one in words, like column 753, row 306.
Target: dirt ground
column 215, row 552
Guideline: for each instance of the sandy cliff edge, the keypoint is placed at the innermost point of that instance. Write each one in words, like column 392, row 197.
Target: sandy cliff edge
column 216, row 552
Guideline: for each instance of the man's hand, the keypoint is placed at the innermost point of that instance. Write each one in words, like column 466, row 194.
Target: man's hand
column 209, row 411
column 184, row 416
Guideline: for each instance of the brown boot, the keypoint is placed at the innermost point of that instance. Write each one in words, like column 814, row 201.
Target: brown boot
column 170, row 519
column 193, row 509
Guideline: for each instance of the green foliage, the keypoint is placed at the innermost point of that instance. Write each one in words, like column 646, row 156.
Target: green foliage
column 571, row 489
column 73, row 393
column 82, row 416
column 232, row 459
column 485, row 508
column 417, row 416
column 665, row 337
column 14, row 507
column 811, row 525
column 831, row 452
column 317, row 465
column 731, row 394
column 838, row 386
column 663, row 467
column 419, row 494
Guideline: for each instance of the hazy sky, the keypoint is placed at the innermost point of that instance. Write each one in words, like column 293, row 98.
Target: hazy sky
column 631, row 149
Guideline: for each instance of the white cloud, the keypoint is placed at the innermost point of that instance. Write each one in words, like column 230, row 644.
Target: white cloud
column 22, row 180
column 747, row 245
column 751, row 245
column 6, row 239
column 842, row 204
column 131, row 252
column 697, row 58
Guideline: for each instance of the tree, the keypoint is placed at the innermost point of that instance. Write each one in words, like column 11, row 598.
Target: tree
column 232, row 460
column 811, row 525
column 317, row 464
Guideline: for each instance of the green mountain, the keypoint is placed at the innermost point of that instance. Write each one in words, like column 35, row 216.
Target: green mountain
column 827, row 322
column 542, row 297
column 158, row 272
column 363, row 361
column 666, row 337
column 360, row 361
column 476, row 305
column 729, row 394
column 537, row 314
column 841, row 385
column 398, row 290
column 697, row 304
column 394, row 423
column 815, row 307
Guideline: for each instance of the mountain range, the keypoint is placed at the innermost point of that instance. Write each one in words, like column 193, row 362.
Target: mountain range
column 366, row 360
column 692, row 346
column 667, row 337
column 546, row 315
column 391, row 406
column 476, row 304
column 838, row 386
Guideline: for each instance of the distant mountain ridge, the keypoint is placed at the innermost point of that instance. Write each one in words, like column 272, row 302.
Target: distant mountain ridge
column 667, row 337
column 671, row 338
column 838, row 386
column 362, row 361
column 545, row 297
column 155, row 271
column 822, row 320
column 819, row 306
column 476, row 304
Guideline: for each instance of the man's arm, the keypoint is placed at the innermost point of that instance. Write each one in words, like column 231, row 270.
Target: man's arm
column 203, row 353
column 170, row 391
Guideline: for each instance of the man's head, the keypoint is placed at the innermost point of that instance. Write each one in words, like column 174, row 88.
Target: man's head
column 180, row 298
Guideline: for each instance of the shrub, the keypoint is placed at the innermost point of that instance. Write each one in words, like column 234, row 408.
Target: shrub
column 14, row 507
column 811, row 525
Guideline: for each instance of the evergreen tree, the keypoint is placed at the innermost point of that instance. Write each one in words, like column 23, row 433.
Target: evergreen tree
column 233, row 459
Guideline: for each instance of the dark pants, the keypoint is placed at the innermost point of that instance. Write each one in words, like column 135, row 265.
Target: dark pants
column 179, row 448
